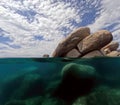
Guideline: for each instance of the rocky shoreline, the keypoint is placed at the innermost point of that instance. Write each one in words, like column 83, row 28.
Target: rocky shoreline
column 82, row 44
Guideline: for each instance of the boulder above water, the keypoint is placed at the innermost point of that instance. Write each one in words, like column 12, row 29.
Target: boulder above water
column 71, row 41
column 113, row 54
column 74, row 53
column 80, row 43
column 111, row 47
column 95, row 41
column 94, row 53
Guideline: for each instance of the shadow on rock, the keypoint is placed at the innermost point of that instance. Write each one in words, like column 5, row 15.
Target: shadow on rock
column 23, row 87
column 77, row 80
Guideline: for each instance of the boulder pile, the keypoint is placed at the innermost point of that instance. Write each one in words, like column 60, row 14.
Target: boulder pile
column 82, row 44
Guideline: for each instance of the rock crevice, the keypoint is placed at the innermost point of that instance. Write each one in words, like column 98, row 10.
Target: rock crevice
column 82, row 44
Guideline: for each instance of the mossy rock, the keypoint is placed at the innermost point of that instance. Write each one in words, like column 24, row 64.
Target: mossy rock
column 32, row 85
column 78, row 71
column 15, row 102
column 77, row 80
column 23, row 87
column 104, row 96
column 80, row 101
column 53, row 101
column 35, row 101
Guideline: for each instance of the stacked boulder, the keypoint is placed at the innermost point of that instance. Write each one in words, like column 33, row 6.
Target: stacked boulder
column 81, row 44
column 111, row 49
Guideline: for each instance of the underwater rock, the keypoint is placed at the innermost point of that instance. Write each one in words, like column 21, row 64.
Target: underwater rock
column 78, row 70
column 23, row 87
column 94, row 53
column 53, row 101
column 32, row 85
column 98, row 97
column 80, row 101
column 35, row 101
column 16, row 102
column 77, row 80
column 104, row 96
column 9, row 88
column 52, row 86
column 74, row 53
column 40, row 100
column 71, row 41
column 101, row 96
column 95, row 41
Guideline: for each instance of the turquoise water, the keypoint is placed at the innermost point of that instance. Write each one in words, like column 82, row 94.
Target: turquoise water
column 58, row 81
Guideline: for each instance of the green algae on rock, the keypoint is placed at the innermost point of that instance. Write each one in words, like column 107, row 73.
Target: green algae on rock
column 61, row 81
column 77, row 80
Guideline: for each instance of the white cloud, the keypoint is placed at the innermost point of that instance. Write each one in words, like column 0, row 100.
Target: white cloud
column 109, row 15
column 47, row 20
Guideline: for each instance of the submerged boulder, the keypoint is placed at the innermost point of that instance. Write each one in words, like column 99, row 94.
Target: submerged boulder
column 78, row 71
column 77, row 80
column 16, row 102
column 23, row 87
column 101, row 96
column 53, row 101
column 104, row 96
column 80, row 101
column 32, row 85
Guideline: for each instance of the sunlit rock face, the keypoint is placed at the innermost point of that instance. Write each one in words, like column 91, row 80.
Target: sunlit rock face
column 71, row 41
column 81, row 43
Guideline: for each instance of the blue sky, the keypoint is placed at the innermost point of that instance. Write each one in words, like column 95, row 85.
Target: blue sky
column 31, row 28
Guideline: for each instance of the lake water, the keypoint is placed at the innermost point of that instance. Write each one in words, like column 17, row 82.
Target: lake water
column 43, row 81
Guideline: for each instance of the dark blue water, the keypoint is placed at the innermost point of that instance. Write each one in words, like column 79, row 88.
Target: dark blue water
column 58, row 81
